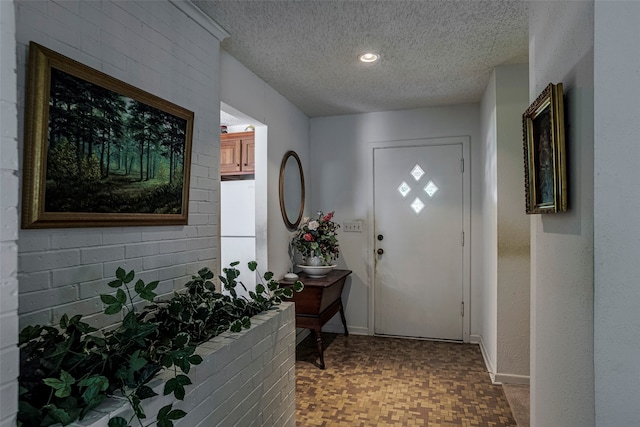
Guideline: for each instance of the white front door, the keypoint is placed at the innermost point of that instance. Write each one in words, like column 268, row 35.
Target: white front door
column 419, row 220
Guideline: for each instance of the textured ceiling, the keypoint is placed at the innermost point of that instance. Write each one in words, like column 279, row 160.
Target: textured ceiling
column 432, row 52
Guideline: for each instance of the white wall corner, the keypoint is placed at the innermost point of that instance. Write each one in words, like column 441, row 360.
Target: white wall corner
column 490, row 364
column 201, row 18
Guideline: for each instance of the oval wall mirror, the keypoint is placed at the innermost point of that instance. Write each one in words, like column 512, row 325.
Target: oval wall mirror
column 291, row 190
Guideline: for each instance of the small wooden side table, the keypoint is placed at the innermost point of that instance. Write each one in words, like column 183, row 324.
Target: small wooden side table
column 318, row 302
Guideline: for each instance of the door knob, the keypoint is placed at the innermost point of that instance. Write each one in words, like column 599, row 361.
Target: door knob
column 380, row 251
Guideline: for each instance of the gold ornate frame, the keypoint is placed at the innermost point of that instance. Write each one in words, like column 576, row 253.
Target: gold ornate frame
column 545, row 178
column 176, row 141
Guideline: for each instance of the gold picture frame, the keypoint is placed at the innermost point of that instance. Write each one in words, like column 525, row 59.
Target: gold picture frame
column 99, row 152
column 545, row 177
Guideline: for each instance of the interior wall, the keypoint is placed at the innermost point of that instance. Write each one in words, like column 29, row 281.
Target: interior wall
column 512, row 89
column 339, row 181
column 288, row 129
column 562, row 380
column 156, row 47
column 488, row 292
column 505, row 290
column 9, row 196
column 617, row 203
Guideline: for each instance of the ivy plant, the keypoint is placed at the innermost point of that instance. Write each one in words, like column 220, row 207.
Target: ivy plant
column 67, row 371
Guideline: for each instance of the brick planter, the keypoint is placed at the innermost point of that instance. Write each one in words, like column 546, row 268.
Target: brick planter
column 246, row 379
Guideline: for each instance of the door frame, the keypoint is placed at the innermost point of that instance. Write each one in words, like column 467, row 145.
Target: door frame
column 262, row 193
column 466, row 220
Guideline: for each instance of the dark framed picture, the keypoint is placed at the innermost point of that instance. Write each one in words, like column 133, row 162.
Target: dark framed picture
column 545, row 177
column 100, row 152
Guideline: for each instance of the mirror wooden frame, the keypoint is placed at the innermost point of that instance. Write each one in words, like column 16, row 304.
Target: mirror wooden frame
column 291, row 224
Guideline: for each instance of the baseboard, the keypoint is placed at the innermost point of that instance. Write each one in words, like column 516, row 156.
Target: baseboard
column 475, row 339
column 487, row 362
column 511, row 379
column 337, row 328
column 497, row 377
column 302, row 333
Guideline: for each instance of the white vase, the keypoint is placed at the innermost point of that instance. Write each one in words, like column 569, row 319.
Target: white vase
column 314, row 261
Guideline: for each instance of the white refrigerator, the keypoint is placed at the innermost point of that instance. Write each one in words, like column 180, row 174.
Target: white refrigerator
column 238, row 229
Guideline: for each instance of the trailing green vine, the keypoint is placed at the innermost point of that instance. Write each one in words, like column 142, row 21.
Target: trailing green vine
column 66, row 372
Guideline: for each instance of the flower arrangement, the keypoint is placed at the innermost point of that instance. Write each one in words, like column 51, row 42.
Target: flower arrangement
column 317, row 237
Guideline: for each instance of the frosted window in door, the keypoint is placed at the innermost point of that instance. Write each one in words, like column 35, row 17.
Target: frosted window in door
column 404, row 189
column 417, row 205
column 430, row 189
column 417, row 172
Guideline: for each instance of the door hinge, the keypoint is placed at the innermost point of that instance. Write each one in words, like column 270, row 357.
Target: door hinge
column 462, row 238
column 462, row 309
column 462, row 165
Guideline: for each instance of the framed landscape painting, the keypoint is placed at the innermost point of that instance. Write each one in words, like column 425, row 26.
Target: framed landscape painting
column 100, row 152
column 544, row 153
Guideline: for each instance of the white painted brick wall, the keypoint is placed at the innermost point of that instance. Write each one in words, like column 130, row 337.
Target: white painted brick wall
column 158, row 48
column 245, row 379
column 9, row 197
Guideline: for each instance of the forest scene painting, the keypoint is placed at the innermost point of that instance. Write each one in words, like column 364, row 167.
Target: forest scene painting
column 127, row 155
column 108, row 151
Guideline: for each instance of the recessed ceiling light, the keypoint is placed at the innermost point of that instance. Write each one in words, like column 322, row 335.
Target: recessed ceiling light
column 369, row 57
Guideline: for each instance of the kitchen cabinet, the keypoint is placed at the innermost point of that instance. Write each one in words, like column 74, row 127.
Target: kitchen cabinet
column 237, row 153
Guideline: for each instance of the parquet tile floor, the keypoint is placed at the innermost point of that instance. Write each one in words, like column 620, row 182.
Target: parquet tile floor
column 375, row 381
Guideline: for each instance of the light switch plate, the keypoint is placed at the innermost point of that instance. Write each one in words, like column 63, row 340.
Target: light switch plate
column 352, row 226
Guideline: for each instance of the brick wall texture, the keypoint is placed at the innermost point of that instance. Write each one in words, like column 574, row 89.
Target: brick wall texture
column 8, row 219
column 156, row 47
column 246, row 379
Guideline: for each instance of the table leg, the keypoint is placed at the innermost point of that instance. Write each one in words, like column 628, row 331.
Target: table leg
column 320, row 350
column 344, row 320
